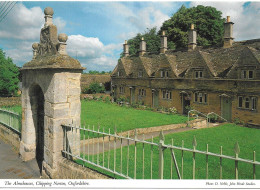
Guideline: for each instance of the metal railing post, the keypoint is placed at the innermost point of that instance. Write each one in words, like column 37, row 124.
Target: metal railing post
column 161, row 149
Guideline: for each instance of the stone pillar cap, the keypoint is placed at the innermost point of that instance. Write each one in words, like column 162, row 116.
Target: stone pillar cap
column 125, row 41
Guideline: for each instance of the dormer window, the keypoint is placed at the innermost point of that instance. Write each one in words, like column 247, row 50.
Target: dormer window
column 198, row 74
column 140, row 73
column 247, row 74
column 164, row 74
column 119, row 73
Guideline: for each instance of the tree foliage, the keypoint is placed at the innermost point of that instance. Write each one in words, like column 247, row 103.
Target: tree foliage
column 208, row 23
column 94, row 88
column 9, row 73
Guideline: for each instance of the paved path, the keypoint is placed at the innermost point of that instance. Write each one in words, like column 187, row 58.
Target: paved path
column 12, row 167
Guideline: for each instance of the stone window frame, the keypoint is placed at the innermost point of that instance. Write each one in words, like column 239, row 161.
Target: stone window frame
column 142, row 92
column 200, row 97
column 164, row 73
column 250, row 104
column 121, row 89
column 247, row 103
column 254, row 103
column 166, row 94
column 198, row 74
column 245, row 74
column 140, row 73
column 240, row 102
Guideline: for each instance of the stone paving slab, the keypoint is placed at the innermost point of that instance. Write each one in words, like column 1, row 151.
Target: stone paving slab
column 12, row 167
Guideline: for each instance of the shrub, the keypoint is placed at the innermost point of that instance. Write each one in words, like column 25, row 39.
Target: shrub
column 94, row 88
column 173, row 110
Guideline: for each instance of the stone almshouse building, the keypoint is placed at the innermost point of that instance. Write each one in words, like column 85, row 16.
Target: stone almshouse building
column 223, row 80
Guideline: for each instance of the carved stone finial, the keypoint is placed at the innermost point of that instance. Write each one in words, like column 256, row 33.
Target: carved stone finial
column 48, row 11
column 35, row 47
column 63, row 37
column 62, row 43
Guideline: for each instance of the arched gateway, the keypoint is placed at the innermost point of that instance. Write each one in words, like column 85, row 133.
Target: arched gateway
column 50, row 97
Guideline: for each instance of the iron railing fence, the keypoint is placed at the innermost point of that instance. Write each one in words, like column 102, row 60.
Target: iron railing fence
column 136, row 158
column 197, row 114
column 11, row 120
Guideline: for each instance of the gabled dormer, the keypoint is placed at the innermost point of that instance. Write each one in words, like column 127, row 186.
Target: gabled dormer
column 165, row 69
column 198, row 68
column 246, row 67
column 119, row 70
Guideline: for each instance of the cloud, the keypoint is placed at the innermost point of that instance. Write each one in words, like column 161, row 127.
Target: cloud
column 85, row 46
column 22, row 23
column 21, row 28
column 245, row 18
column 92, row 53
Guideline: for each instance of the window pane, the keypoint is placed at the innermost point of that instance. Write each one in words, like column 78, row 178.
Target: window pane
column 253, row 103
column 200, row 74
column 247, row 103
column 244, row 75
column 250, row 74
column 205, row 98
column 240, row 102
column 196, row 74
column 196, row 97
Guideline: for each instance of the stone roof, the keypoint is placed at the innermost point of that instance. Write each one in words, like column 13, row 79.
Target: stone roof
column 218, row 61
column 56, row 61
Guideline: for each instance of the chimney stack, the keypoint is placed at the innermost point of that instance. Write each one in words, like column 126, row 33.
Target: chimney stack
column 163, row 48
column 126, row 49
column 192, row 38
column 48, row 11
column 142, row 47
column 228, row 33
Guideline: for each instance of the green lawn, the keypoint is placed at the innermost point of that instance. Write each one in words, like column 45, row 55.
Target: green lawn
column 16, row 109
column 226, row 136
column 124, row 118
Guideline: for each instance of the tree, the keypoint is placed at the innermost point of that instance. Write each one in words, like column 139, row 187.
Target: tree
column 152, row 42
column 208, row 23
column 9, row 73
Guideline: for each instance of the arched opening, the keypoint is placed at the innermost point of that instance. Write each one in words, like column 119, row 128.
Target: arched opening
column 37, row 108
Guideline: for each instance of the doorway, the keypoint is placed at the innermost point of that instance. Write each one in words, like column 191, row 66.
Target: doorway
column 37, row 106
column 155, row 98
column 226, row 108
column 132, row 95
column 185, row 103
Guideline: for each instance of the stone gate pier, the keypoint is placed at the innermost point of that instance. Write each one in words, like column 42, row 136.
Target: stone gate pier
column 50, row 97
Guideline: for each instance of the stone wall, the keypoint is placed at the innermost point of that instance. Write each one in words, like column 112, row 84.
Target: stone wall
column 213, row 88
column 10, row 101
column 10, row 137
column 87, row 79
column 70, row 170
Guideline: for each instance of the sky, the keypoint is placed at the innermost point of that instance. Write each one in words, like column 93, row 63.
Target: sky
column 96, row 29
